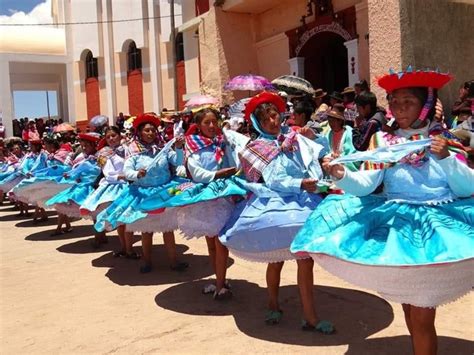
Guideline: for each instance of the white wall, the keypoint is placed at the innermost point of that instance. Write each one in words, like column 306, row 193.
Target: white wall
column 85, row 36
column 133, row 30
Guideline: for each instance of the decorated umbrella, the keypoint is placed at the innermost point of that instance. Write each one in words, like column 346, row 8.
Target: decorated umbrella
column 237, row 108
column 64, row 127
column 201, row 100
column 98, row 121
column 293, row 85
column 248, row 82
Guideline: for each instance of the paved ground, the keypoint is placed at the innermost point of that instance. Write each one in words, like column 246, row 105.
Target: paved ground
column 59, row 296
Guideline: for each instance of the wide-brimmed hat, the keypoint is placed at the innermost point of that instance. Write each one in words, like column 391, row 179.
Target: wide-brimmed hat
column 413, row 78
column 348, row 90
column 264, row 97
column 146, row 118
column 336, row 95
column 335, row 114
column 319, row 93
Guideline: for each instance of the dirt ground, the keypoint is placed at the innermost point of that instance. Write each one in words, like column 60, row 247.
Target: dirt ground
column 59, row 296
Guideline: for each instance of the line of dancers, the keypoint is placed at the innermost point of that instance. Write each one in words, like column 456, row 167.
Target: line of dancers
column 402, row 227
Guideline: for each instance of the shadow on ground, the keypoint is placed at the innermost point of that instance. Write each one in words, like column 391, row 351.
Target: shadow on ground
column 77, row 232
column 126, row 272
column 50, row 222
column 401, row 345
column 356, row 314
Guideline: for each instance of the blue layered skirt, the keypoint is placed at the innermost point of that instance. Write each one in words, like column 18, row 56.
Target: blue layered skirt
column 417, row 254
column 37, row 189
column 202, row 209
column 261, row 229
column 68, row 201
column 100, row 199
column 125, row 210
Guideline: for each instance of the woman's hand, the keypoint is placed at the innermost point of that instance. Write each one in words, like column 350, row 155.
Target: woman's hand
column 121, row 177
column 439, row 147
column 224, row 173
column 335, row 170
column 179, row 142
column 141, row 173
column 309, row 185
column 307, row 132
column 66, row 175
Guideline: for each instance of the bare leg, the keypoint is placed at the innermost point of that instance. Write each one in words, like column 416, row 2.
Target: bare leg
column 211, row 248
column 170, row 245
column 222, row 255
column 121, row 235
column 147, row 243
column 423, row 331
column 67, row 222
column 128, row 242
column 305, row 284
column 273, row 284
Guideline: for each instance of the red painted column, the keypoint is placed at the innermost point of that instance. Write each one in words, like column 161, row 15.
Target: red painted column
column 135, row 92
column 92, row 97
column 181, row 82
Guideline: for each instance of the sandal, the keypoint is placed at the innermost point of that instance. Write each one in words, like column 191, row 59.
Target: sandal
column 208, row 289
column 132, row 255
column 324, row 327
column 273, row 317
column 146, row 269
column 119, row 254
column 223, row 294
column 179, row 266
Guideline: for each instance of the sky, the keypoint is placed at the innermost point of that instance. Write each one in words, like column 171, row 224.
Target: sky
column 29, row 103
column 33, row 104
column 9, row 7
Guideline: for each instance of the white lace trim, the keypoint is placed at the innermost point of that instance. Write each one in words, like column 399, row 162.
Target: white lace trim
column 274, row 256
column 204, row 218
column 4, row 188
column 156, row 223
column 69, row 209
column 421, row 286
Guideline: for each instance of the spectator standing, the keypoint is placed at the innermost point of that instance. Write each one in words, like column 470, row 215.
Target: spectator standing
column 370, row 119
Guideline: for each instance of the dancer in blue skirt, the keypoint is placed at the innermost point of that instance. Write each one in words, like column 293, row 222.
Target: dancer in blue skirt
column 413, row 243
column 284, row 171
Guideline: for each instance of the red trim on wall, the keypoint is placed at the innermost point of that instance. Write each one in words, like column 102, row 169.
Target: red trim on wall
column 92, row 97
column 135, row 92
column 202, row 6
column 181, row 82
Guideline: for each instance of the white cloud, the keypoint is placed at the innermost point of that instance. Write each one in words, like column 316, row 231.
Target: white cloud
column 41, row 13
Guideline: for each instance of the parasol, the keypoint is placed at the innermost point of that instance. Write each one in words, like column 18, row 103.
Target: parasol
column 248, row 82
column 201, row 100
column 64, row 127
column 293, row 85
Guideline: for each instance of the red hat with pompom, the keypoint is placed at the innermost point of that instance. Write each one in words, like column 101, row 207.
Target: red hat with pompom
column 413, row 78
column 262, row 98
column 146, row 118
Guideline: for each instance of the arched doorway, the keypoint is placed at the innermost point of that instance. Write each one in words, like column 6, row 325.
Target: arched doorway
column 134, row 79
column 325, row 64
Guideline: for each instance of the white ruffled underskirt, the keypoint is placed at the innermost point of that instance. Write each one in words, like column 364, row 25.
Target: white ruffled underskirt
column 39, row 193
column 274, row 256
column 68, row 209
column 422, row 286
column 92, row 215
column 204, row 218
column 4, row 188
column 166, row 221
